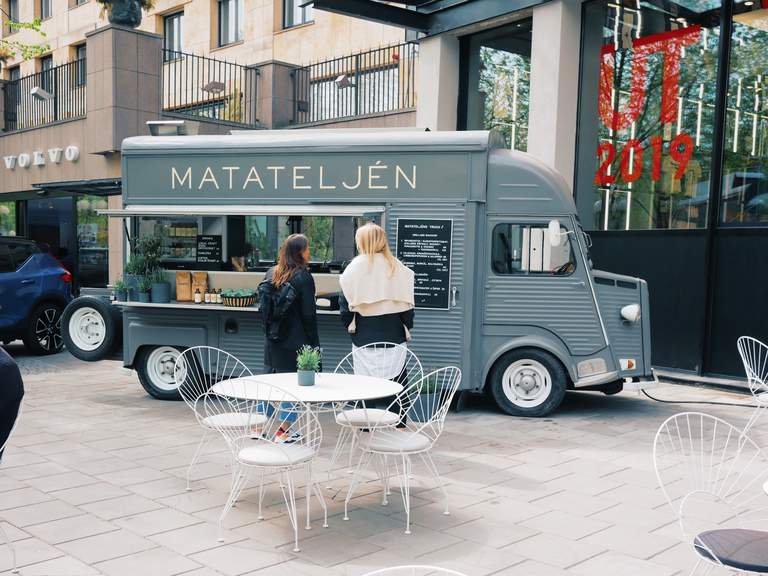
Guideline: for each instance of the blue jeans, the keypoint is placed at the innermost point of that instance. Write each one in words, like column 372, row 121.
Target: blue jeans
column 287, row 414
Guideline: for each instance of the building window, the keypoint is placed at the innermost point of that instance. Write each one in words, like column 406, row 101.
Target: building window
column 497, row 86
column 46, row 9
column 294, row 13
column 13, row 15
column 80, row 2
column 525, row 249
column 14, row 73
column 46, row 73
column 172, row 30
column 8, row 226
column 647, row 111
column 744, row 191
column 230, row 21
column 80, row 71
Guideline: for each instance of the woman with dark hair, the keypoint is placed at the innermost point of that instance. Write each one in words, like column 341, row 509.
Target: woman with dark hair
column 288, row 310
column 299, row 322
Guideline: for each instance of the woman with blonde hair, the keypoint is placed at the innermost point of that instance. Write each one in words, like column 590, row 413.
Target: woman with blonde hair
column 377, row 300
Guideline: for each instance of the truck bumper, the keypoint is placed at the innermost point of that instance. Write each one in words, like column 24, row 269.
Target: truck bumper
column 643, row 382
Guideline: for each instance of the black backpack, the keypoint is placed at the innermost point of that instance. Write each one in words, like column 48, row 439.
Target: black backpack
column 274, row 303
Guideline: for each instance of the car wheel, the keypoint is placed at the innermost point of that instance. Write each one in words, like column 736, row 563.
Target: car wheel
column 90, row 327
column 528, row 382
column 155, row 365
column 42, row 335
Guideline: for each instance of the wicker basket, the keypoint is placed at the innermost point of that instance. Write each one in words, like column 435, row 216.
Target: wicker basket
column 239, row 301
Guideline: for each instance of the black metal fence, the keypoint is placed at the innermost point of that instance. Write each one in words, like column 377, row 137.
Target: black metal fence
column 380, row 80
column 208, row 89
column 49, row 96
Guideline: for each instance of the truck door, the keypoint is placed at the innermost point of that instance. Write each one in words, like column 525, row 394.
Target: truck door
column 531, row 283
column 439, row 335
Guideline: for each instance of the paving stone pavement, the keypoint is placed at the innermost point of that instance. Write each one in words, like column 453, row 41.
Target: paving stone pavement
column 93, row 483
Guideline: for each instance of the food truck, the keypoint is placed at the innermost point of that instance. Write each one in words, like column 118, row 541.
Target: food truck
column 505, row 287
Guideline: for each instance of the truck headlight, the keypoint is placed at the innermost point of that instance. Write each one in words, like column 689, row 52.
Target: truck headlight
column 631, row 312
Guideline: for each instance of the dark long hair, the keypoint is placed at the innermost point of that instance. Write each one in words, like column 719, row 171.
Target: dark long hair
column 291, row 258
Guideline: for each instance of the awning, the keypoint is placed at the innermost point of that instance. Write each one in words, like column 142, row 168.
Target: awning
column 99, row 187
column 428, row 16
column 246, row 210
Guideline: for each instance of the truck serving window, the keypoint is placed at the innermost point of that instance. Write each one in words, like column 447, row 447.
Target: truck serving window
column 526, row 249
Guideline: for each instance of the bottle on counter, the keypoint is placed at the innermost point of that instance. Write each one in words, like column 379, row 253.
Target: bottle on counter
column 219, row 299
column 198, row 296
column 207, row 296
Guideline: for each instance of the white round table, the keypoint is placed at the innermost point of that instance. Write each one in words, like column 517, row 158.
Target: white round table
column 329, row 388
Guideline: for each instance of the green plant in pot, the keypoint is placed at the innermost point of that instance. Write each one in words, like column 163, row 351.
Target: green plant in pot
column 161, row 288
column 133, row 272
column 121, row 290
column 145, row 287
column 126, row 12
column 428, row 400
column 308, row 364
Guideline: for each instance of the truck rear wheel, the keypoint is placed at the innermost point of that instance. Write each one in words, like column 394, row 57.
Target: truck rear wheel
column 90, row 327
column 155, row 365
column 528, row 382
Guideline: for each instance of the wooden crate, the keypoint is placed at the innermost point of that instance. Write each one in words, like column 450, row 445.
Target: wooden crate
column 184, row 292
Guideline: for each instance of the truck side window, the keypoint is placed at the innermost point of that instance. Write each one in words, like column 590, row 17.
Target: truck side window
column 525, row 249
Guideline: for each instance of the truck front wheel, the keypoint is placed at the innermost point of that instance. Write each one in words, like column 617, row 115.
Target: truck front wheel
column 528, row 382
column 155, row 365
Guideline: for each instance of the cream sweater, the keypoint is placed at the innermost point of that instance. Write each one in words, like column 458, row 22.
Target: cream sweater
column 371, row 291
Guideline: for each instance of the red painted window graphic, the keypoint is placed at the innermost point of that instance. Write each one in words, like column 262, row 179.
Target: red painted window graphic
column 620, row 117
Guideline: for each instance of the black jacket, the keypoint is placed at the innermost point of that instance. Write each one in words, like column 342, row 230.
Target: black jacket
column 370, row 329
column 11, row 393
column 302, row 326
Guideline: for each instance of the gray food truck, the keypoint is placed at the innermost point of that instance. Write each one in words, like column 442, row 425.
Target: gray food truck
column 504, row 283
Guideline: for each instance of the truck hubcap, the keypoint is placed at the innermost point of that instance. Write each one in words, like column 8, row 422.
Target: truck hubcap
column 160, row 365
column 87, row 329
column 527, row 383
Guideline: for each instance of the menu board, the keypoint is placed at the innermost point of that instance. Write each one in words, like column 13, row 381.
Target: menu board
column 208, row 249
column 425, row 247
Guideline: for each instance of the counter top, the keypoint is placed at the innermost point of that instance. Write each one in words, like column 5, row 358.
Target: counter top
column 192, row 306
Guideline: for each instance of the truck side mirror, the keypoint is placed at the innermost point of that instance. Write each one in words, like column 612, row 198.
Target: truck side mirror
column 555, row 234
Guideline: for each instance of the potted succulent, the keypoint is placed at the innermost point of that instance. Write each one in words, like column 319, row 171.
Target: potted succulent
column 121, row 290
column 427, row 401
column 126, row 12
column 308, row 364
column 145, row 287
column 161, row 288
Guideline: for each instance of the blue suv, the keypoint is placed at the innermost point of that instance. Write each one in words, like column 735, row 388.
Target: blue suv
column 34, row 289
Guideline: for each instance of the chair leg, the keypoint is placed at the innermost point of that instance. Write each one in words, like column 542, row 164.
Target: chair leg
column 321, row 498
column 261, row 495
column 352, row 443
column 426, row 457
column 753, row 418
column 290, row 502
column 238, row 481
column 405, row 489
column 309, row 495
column 7, row 540
column 196, row 457
column 364, row 459
column 340, row 442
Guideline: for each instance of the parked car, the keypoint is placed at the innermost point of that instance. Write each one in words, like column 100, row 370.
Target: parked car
column 34, row 289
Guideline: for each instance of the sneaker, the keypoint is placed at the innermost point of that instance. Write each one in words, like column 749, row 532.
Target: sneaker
column 287, row 437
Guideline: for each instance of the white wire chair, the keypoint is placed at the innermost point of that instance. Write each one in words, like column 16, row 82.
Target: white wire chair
column 754, row 356
column 3, row 533
column 713, row 478
column 381, row 360
column 251, row 429
column 415, row 571
column 423, row 426
column 196, row 370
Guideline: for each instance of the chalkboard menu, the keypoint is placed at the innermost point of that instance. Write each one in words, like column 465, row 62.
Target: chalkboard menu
column 425, row 247
column 208, row 249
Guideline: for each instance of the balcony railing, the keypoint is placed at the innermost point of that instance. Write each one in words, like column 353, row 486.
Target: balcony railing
column 208, row 89
column 380, row 80
column 49, row 96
